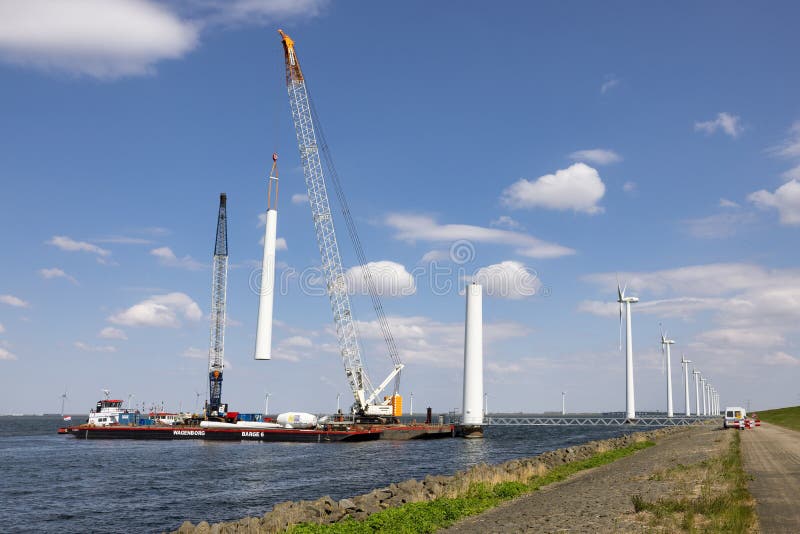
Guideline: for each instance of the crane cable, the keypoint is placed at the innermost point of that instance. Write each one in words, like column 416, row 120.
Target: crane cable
column 356, row 241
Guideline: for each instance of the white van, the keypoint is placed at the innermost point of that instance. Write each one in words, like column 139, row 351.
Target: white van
column 734, row 413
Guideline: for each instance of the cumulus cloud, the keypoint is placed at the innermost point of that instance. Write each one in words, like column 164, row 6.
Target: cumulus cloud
column 168, row 258
column 789, row 147
column 596, row 156
column 389, row 278
column 718, row 226
column 299, row 198
column 577, row 188
column 70, row 245
column 95, row 38
column 55, row 272
column 726, row 122
column 610, row 82
column 504, row 221
column 423, row 339
column 508, row 279
column 412, row 228
column 792, row 174
column 785, row 199
column 110, row 332
column 94, row 348
column 194, row 352
column 163, row 311
column 17, row 302
column 752, row 307
column 7, row 355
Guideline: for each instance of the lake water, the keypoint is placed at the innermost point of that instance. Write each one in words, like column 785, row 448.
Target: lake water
column 58, row 483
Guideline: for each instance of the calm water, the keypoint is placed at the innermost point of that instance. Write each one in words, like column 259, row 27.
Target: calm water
column 58, row 483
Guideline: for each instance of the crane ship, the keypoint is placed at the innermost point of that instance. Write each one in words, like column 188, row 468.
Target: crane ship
column 371, row 417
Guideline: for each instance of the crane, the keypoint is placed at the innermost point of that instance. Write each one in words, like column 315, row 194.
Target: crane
column 367, row 404
column 219, row 285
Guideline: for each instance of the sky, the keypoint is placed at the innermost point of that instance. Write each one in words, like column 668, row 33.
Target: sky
column 544, row 149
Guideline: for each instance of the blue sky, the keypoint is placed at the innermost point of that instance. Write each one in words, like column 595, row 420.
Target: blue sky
column 559, row 145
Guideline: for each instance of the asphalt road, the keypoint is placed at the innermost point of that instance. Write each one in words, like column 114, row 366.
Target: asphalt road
column 771, row 454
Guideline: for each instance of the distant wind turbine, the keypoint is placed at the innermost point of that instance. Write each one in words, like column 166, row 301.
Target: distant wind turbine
column 63, row 400
column 665, row 342
column 685, row 364
column 696, row 374
column 703, row 390
column 630, row 404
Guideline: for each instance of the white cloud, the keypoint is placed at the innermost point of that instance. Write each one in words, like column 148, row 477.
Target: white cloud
column 123, row 240
column 725, row 203
column 70, row 245
column 728, row 123
column 425, row 340
column 781, row 358
column 719, row 225
column 94, row 348
column 610, row 82
column 193, row 352
column 578, row 188
column 55, row 272
column 504, row 221
column 2, row 328
column 6, row 355
column 160, row 311
column 299, row 198
column 257, row 12
column 743, row 337
column 789, row 147
column 297, row 341
column 412, row 228
column 280, row 243
column 168, row 258
column 792, row 174
column 786, row 199
column 110, row 332
column 629, row 187
column 390, row 279
column 96, row 38
column 597, row 156
column 435, row 256
column 508, row 279
column 17, row 302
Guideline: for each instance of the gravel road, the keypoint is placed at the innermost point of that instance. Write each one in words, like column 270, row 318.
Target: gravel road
column 771, row 454
column 599, row 500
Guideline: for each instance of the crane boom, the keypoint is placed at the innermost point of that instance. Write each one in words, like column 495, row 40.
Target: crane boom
column 219, row 285
column 302, row 114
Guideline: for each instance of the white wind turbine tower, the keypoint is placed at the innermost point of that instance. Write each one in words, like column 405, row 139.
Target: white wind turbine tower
column 685, row 364
column 703, row 390
column 666, row 343
column 696, row 374
column 630, row 405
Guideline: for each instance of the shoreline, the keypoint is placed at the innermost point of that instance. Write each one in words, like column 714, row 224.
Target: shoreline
column 328, row 511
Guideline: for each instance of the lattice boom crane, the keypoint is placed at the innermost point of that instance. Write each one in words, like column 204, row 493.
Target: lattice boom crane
column 219, row 287
column 364, row 393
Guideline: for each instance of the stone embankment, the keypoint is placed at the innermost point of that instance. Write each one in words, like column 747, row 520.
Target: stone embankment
column 327, row 510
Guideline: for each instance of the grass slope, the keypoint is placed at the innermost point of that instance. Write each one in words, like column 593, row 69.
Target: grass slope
column 432, row 515
column 786, row 417
column 719, row 500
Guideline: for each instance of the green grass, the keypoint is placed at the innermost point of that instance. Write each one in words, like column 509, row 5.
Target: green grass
column 786, row 417
column 430, row 516
column 723, row 505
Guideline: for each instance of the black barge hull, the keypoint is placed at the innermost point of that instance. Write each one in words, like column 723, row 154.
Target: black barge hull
column 219, row 434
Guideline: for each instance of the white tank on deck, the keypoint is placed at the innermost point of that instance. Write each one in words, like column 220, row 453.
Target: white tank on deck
column 297, row 420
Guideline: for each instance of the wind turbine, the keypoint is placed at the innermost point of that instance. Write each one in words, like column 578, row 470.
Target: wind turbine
column 703, row 388
column 666, row 343
column 63, row 400
column 630, row 404
column 696, row 374
column 685, row 364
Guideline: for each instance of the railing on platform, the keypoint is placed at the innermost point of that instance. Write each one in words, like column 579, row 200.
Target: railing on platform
column 591, row 421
